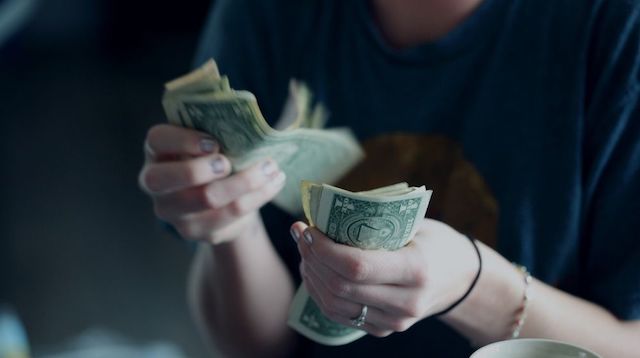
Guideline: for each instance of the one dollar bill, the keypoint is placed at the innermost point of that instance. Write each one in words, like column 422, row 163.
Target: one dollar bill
column 384, row 218
column 203, row 100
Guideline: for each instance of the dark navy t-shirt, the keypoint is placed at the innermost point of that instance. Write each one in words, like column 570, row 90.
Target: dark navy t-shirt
column 525, row 120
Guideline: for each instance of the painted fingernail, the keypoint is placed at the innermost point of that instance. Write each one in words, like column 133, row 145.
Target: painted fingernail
column 268, row 167
column 208, row 145
column 217, row 165
column 307, row 237
column 295, row 235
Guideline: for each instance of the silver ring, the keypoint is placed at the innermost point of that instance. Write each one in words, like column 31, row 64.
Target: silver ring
column 359, row 321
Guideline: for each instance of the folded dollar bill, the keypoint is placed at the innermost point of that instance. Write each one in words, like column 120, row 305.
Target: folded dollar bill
column 204, row 100
column 384, row 218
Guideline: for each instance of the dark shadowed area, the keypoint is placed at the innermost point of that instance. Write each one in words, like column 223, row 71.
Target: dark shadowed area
column 80, row 83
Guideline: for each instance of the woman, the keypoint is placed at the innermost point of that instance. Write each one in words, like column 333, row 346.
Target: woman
column 523, row 116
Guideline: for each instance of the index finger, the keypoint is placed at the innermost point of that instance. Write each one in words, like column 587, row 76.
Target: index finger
column 167, row 141
column 362, row 266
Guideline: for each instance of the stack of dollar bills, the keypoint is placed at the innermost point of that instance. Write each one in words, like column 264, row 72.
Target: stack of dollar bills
column 203, row 100
column 384, row 218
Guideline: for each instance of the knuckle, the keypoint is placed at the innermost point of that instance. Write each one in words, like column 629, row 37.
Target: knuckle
column 197, row 199
column 248, row 181
column 183, row 202
column 189, row 230
column 238, row 208
column 209, row 197
column 412, row 308
column 358, row 270
column 412, row 311
column 189, row 173
column 400, row 325
column 419, row 275
column 214, row 236
column 339, row 287
column 379, row 333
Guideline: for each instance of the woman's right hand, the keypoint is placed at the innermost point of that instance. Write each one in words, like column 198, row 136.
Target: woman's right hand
column 190, row 184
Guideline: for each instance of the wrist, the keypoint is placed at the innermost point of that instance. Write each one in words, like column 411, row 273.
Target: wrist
column 250, row 227
column 523, row 310
column 247, row 231
column 241, row 229
column 488, row 313
column 471, row 282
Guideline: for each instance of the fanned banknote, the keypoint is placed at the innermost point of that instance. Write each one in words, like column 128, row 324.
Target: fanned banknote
column 384, row 218
column 204, row 100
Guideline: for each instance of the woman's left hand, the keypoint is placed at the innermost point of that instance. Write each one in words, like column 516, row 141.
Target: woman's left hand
column 399, row 287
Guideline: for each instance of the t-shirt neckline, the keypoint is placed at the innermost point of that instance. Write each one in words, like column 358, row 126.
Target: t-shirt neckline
column 474, row 31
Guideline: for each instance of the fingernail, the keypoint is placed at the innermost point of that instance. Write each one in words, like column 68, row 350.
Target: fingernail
column 208, row 145
column 217, row 165
column 307, row 237
column 268, row 168
column 295, row 235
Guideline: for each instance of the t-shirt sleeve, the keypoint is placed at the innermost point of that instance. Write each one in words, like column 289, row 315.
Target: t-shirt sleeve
column 611, row 169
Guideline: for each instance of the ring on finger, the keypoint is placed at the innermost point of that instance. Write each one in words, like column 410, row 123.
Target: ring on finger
column 360, row 320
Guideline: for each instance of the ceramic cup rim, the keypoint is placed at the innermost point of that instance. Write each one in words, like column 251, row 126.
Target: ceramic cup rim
column 532, row 340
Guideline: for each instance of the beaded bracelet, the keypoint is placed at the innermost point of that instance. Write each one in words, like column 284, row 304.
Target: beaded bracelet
column 521, row 313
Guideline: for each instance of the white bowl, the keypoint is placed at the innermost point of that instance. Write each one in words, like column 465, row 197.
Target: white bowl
column 532, row 348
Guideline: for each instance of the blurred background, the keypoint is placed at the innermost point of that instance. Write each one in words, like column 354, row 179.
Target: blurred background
column 80, row 250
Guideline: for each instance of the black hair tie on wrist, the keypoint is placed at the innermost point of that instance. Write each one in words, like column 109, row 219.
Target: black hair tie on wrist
column 473, row 283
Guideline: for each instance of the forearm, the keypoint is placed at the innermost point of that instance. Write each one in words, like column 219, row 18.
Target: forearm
column 240, row 293
column 557, row 315
column 489, row 313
